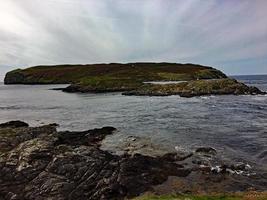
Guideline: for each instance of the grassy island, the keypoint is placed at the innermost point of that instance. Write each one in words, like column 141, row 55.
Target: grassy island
column 131, row 77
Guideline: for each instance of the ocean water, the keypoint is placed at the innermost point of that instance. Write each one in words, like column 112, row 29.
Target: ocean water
column 235, row 125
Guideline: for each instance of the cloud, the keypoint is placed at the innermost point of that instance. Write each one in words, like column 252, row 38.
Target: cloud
column 210, row 32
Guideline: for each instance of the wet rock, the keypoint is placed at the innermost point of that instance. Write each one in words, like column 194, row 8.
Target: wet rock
column 219, row 169
column 14, row 124
column 206, row 150
column 200, row 161
column 239, row 166
column 54, row 124
column 263, row 156
column 177, row 157
column 85, row 137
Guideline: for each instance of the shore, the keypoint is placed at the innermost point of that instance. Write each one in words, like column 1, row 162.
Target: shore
column 42, row 163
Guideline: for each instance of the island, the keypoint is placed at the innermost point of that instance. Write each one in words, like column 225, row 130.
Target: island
column 134, row 79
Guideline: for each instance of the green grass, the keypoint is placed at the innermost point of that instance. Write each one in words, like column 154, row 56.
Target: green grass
column 103, row 74
column 107, row 81
column 175, row 76
column 208, row 73
column 188, row 198
column 256, row 196
column 209, row 85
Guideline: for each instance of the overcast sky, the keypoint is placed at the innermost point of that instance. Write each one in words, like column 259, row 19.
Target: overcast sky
column 228, row 34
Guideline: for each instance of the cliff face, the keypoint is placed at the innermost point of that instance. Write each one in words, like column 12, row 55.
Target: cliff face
column 15, row 76
column 114, row 72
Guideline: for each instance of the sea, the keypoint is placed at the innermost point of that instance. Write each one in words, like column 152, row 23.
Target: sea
column 236, row 126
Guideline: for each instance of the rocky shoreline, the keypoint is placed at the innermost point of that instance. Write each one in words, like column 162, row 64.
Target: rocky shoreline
column 193, row 88
column 78, row 88
column 42, row 163
column 187, row 89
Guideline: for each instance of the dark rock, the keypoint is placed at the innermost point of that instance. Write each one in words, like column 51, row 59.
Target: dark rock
column 78, row 88
column 206, row 150
column 14, row 124
column 89, row 137
column 54, row 124
column 41, row 163
column 176, row 157
column 255, row 90
column 14, row 77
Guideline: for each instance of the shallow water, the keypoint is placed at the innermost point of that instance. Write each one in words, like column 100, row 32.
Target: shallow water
column 235, row 125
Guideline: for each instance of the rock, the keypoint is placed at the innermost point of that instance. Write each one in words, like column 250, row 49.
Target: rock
column 14, row 124
column 40, row 163
column 141, row 145
column 15, row 77
column 225, row 86
column 240, row 166
column 54, row 124
column 177, row 157
column 10, row 138
column 89, row 137
column 102, row 87
column 206, row 150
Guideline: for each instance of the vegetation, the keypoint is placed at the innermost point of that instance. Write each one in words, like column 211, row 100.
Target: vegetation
column 196, row 88
column 103, row 82
column 241, row 196
column 201, row 80
column 97, row 74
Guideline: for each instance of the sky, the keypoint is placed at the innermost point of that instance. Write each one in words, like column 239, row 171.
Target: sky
column 230, row 35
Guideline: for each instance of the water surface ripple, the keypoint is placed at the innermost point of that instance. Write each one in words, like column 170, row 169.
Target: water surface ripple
column 235, row 125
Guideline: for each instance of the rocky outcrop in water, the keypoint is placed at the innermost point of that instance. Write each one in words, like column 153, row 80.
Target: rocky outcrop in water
column 197, row 88
column 78, row 88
